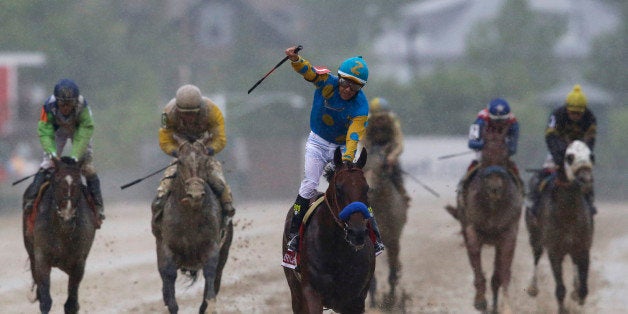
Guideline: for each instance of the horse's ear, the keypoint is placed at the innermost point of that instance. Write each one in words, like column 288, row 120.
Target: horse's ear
column 178, row 139
column 337, row 156
column 56, row 161
column 362, row 160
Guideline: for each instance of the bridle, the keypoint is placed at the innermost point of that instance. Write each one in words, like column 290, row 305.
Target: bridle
column 331, row 199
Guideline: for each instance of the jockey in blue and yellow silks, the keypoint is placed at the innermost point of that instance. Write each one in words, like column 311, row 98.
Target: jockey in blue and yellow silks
column 338, row 119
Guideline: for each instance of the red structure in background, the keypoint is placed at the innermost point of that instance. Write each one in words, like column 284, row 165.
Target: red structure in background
column 9, row 84
column 9, row 63
column 7, row 97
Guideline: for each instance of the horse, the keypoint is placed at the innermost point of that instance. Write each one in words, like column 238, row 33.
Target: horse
column 59, row 232
column 392, row 211
column 189, row 236
column 565, row 223
column 336, row 258
column 489, row 213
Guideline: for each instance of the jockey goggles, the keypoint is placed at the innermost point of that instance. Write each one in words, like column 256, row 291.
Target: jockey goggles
column 345, row 82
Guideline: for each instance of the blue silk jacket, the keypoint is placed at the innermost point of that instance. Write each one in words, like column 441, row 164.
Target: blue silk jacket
column 336, row 120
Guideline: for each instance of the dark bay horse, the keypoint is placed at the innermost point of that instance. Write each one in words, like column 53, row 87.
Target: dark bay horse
column 565, row 223
column 392, row 210
column 489, row 214
column 59, row 232
column 337, row 259
column 189, row 238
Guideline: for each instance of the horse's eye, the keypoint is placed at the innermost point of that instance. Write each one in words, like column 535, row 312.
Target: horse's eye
column 569, row 159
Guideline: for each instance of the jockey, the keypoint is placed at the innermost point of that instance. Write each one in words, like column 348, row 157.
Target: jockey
column 338, row 119
column 190, row 115
column 569, row 122
column 389, row 135
column 66, row 116
column 496, row 115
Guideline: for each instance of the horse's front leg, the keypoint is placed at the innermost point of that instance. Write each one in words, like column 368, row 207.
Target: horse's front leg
column 168, row 272
column 313, row 300
column 537, row 251
column 504, row 254
column 209, row 294
column 42, row 280
column 75, row 276
column 556, row 261
column 394, row 268
column 580, row 279
column 474, row 251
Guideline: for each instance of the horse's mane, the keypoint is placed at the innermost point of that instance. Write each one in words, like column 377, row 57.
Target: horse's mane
column 69, row 160
column 329, row 172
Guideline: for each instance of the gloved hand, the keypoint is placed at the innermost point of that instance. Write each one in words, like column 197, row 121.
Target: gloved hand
column 74, row 158
column 210, row 151
column 174, row 154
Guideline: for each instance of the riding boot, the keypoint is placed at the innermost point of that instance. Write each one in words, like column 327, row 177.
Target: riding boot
column 93, row 185
column 157, row 209
column 228, row 211
column 534, row 195
column 299, row 208
column 32, row 190
column 461, row 189
column 378, row 244
column 590, row 198
column 397, row 180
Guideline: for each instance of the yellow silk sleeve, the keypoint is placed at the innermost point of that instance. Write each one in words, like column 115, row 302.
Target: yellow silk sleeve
column 354, row 134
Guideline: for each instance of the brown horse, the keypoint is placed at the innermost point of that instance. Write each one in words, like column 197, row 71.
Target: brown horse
column 337, row 258
column 392, row 211
column 565, row 223
column 188, row 238
column 489, row 213
column 59, row 232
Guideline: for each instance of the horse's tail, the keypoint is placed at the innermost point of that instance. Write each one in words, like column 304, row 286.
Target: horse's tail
column 191, row 274
column 33, row 296
column 453, row 211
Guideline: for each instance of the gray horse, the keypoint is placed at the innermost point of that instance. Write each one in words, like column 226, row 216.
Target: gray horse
column 188, row 236
column 392, row 210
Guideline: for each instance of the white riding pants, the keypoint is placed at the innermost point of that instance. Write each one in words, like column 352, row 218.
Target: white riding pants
column 318, row 153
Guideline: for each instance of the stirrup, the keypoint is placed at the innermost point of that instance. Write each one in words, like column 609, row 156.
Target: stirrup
column 289, row 260
column 379, row 248
column 293, row 243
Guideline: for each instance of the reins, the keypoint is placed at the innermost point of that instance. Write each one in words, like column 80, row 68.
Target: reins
column 334, row 194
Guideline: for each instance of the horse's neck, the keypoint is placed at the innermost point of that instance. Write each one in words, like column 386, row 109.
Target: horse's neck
column 495, row 152
column 568, row 200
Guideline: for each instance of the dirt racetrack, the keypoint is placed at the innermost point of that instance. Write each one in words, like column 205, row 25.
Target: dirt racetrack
column 121, row 274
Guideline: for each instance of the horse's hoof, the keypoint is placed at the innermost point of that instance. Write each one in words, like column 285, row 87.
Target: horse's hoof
column 388, row 302
column 532, row 291
column 577, row 298
column 480, row 304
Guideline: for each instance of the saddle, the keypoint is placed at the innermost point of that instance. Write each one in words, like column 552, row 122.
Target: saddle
column 32, row 216
column 473, row 171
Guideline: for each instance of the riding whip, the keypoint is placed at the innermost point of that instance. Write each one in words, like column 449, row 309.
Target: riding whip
column 146, row 177
column 421, row 183
column 22, row 179
column 299, row 47
column 455, row 155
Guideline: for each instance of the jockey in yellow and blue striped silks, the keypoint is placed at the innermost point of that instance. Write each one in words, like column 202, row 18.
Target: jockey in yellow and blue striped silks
column 338, row 118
